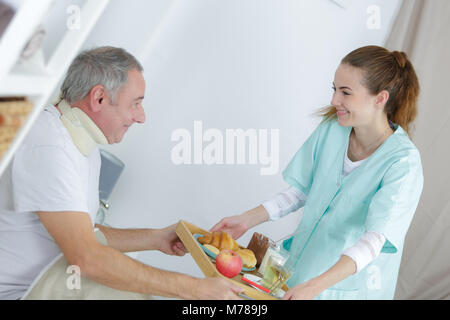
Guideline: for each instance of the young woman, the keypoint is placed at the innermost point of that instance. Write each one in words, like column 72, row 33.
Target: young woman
column 359, row 178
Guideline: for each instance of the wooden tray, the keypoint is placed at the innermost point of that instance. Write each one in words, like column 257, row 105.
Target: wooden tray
column 185, row 232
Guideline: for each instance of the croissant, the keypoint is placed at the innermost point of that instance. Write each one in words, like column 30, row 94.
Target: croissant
column 221, row 240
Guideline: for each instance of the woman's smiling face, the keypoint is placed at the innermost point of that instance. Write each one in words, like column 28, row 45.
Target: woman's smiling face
column 354, row 104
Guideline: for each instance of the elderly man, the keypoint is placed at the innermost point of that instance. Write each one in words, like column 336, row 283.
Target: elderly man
column 49, row 197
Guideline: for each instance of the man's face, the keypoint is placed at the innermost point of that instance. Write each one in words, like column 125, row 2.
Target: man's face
column 117, row 118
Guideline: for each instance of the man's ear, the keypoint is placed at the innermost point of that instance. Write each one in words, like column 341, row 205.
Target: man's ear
column 97, row 98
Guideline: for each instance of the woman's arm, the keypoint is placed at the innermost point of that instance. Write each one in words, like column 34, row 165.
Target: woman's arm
column 237, row 225
column 278, row 206
column 352, row 260
column 308, row 290
column 285, row 202
column 341, row 270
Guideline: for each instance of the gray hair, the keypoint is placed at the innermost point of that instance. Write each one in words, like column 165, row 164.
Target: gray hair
column 107, row 66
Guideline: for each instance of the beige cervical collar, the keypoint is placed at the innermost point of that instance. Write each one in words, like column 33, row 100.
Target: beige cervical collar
column 84, row 132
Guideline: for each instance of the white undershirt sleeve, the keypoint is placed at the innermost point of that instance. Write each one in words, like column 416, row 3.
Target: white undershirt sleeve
column 285, row 202
column 366, row 249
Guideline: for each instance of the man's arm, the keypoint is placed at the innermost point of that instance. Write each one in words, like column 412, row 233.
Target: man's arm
column 131, row 240
column 74, row 234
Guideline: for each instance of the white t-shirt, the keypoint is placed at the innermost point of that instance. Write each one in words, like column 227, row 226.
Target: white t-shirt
column 349, row 165
column 47, row 173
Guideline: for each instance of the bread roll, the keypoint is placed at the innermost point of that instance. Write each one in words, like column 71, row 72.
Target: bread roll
column 248, row 258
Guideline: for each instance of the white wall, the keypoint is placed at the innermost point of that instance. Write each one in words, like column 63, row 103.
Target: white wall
column 231, row 64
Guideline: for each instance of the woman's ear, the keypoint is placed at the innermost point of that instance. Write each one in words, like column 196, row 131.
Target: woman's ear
column 381, row 99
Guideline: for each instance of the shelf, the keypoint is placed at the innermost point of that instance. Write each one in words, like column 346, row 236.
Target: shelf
column 19, row 31
column 24, row 85
column 38, row 85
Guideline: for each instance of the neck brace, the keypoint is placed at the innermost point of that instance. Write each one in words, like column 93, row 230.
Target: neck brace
column 84, row 132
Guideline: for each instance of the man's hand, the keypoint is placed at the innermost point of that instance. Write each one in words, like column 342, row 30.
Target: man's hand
column 170, row 243
column 216, row 289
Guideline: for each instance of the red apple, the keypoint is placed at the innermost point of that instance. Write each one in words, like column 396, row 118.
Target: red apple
column 229, row 263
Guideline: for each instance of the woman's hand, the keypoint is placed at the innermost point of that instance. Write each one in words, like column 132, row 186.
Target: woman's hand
column 170, row 243
column 344, row 268
column 237, row 225
column 304, row 291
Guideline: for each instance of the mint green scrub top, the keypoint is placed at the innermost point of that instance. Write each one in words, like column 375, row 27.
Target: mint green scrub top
column 380, row 195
